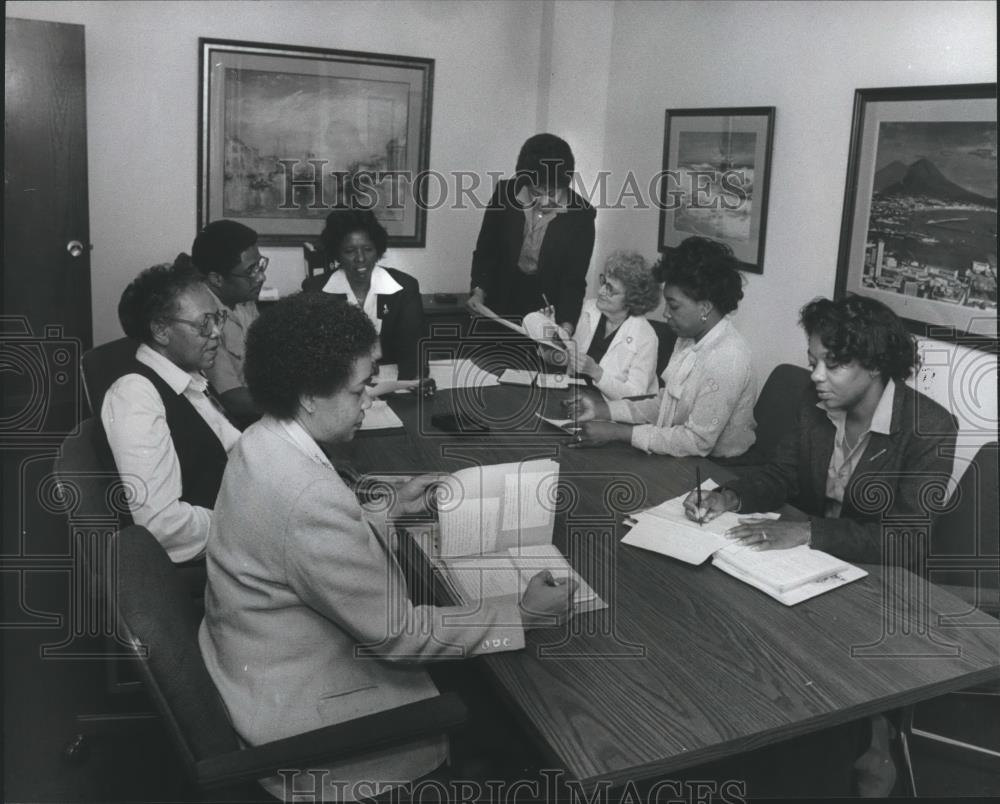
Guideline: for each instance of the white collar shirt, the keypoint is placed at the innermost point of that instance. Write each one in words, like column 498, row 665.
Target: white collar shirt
column 382, row 284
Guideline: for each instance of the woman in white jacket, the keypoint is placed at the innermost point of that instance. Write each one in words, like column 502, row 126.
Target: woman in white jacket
column 613, row 344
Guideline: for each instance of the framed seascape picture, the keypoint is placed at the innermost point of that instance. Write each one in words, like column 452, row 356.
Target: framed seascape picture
column 716, row 171
column 288, row 133
column 919, row 229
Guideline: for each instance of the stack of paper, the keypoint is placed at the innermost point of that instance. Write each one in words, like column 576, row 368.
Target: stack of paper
column 558, row 381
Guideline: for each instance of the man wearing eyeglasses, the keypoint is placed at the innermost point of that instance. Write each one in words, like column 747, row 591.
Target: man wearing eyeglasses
column 169, row 438
column 226, row 255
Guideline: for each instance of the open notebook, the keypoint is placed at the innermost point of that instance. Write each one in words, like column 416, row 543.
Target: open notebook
column 790, row 576
column 495, row 532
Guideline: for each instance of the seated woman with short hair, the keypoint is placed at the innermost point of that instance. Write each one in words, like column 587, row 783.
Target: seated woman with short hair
column 354, row 241
column 307, row 617
column 706, row 405
column 614, row 346
column 869, row 442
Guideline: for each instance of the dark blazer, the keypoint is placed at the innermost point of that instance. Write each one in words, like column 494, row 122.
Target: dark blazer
column 402, row 315
column 894, row 478
column 562, row 261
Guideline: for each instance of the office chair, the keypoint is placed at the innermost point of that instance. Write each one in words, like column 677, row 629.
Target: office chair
column 161, row 624
column 964, row 558
column 96, row 508
column 775, row 408
column 666, row 339
column 104, row 364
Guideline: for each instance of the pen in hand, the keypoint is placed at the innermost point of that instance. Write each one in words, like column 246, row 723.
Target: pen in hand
column 697, row 480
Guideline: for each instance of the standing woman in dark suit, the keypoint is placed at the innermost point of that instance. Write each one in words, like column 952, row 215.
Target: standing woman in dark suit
column 354, row 242
column 536, row 239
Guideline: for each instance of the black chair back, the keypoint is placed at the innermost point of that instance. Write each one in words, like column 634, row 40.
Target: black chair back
column 104, row 364
column 160, row 619
column 86, row 471
column 779, row 399
column 666, row 338
column 966, row 537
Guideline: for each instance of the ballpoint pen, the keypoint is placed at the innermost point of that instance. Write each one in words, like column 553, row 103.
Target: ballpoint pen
column 697, row 480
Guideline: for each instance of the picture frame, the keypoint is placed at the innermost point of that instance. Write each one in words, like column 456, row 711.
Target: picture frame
column 919, row 222
column 716, row 179
column 287, row 133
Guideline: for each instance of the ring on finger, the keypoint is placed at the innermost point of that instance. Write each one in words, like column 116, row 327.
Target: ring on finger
column 763, row 536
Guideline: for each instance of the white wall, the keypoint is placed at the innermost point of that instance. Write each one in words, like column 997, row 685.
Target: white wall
column 806, row 59
column 142, row 115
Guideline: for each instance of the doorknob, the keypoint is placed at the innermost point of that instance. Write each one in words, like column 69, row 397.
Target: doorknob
column 75, row 248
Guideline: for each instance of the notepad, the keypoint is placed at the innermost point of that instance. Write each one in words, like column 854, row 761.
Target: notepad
column 459, row 373
column 557, row 381
column 495, row 532
column 789, row 576
column 517, row 377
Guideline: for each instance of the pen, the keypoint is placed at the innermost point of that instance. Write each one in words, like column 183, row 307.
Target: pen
column 697, row 480
column 546, row 300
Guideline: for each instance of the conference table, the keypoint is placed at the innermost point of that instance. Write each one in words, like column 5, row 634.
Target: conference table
column 686, row 665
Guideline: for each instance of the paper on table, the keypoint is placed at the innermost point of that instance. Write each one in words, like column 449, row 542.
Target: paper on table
column 535, row 558
column 557, row 381
column 566, row 425
column 666, row 529
column 380, row 417
column 782, row 569
column 517, row 377
column 459, row 373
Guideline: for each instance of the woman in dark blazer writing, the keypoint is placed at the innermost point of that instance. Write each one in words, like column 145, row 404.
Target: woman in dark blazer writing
column 536, row 238
column 863, row 446
column 354, row 242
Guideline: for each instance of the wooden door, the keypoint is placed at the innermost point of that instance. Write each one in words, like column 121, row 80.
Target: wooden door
column 46, row 266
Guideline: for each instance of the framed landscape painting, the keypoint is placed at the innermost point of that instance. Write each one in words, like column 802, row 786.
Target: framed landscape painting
column 919, row 228
column 287, row 133
column 716, row 172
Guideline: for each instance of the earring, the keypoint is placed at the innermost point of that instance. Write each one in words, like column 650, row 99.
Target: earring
column 704, row 316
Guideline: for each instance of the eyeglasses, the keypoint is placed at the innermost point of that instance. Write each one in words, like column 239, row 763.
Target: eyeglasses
column 257, row 269
column 208, row 324
column 607, row 287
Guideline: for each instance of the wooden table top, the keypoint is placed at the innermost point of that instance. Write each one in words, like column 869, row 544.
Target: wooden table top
column 687, row 664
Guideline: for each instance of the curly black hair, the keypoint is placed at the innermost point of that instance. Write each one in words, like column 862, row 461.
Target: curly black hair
column 642, row 291
column 862, row 329
column 704, row 270
column 546, row 160
column 152, row 296
column 306, row 343
column 343, row 222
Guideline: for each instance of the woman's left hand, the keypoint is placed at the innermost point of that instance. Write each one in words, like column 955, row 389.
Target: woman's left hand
column 770, row 534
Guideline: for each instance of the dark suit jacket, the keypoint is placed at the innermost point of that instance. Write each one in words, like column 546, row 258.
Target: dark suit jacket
column 402, row 315
column 562, row 261
column 894, row 477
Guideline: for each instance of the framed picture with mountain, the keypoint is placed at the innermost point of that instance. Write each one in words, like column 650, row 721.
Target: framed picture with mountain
column 919, row 227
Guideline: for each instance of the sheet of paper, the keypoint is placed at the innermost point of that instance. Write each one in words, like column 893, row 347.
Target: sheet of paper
column 485, row 576
column 538, row 557
column 517, row 377
column 566, row 425
column 557, row 381
column 469, row 526
column 527, row 499
column 459, row 373
column 380, row 417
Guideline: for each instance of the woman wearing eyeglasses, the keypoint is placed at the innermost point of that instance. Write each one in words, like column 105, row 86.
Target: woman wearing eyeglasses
column 706, row 405
column 226, row 254
column 354, row 242
column 168, row 437
column 614, row 345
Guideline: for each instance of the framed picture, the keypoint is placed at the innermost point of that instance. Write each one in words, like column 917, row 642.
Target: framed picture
column 919, row 228
column 288, row 133
column 716, row 172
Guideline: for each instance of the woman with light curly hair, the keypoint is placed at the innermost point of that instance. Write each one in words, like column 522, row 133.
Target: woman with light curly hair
column 614, row 346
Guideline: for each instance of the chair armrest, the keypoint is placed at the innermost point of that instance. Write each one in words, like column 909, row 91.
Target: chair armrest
column 331, row 743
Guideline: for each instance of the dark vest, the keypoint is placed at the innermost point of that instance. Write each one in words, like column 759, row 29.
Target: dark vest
column 199, row 451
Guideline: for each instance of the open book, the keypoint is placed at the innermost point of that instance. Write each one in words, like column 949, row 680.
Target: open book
column 495, row 532
column 789, row 576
